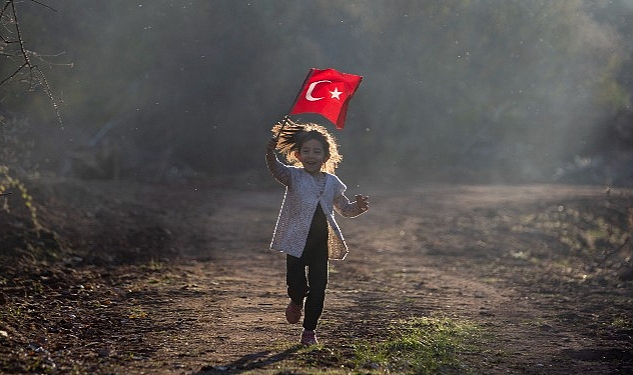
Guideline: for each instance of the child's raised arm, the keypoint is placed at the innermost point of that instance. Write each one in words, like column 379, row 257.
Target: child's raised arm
column 278, row 169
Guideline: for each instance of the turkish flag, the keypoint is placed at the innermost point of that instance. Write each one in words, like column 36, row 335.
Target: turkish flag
column 326, row 92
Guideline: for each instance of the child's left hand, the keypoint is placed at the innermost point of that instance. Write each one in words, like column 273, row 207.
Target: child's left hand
column 362, row 202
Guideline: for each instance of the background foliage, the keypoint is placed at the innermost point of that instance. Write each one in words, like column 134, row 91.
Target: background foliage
column 486, row 90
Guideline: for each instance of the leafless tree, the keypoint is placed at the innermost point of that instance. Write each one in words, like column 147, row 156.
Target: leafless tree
column 13, row 46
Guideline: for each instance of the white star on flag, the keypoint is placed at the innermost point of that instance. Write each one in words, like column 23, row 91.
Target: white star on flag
column 336, row 94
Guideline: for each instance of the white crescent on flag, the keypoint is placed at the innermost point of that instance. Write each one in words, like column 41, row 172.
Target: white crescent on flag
column 311, row 88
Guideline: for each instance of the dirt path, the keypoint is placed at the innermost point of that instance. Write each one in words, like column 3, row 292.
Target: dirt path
column 463, row 253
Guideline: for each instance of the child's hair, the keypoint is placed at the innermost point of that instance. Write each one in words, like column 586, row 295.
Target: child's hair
column 293, row 135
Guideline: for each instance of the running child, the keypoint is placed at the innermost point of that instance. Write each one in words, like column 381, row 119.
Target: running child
column 306, row 230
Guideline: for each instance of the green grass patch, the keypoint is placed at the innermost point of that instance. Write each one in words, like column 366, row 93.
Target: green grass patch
column 421, row 346
column 622, row 322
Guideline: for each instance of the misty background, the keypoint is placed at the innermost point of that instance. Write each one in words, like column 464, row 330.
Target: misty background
column 488, row 91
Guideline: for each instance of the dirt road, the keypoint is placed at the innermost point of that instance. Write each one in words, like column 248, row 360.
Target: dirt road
column 181, row 281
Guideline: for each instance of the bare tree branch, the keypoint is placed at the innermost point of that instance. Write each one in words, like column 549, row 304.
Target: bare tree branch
column 36, row 76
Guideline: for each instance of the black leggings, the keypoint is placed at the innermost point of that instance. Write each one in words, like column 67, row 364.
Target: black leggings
column 315, row 258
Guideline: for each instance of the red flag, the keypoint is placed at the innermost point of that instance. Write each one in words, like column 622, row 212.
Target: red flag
column 326, row 92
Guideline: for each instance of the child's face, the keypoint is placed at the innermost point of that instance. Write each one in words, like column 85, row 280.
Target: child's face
column 312, row 156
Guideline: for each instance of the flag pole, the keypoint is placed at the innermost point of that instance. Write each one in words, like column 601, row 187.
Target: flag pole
column 283, row 124
column 287, row 116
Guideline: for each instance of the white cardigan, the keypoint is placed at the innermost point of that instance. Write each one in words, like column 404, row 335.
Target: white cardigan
column 300, row 201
